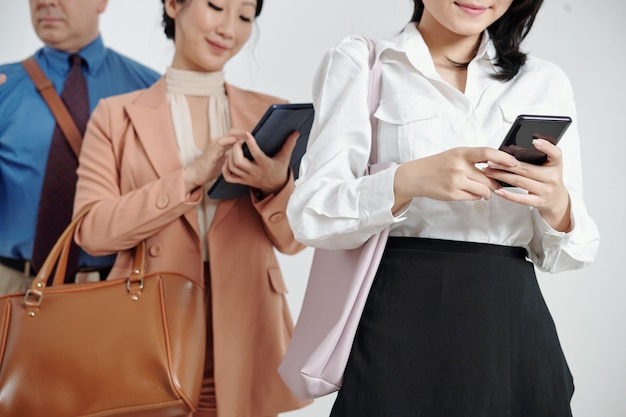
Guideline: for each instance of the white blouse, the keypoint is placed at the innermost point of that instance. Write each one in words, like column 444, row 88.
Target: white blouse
column 420, row 114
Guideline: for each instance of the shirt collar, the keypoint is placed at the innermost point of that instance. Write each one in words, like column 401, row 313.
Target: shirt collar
column 93, row 54
column 411, row 43
column 486, row 49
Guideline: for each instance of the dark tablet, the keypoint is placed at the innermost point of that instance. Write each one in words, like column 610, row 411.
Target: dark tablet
column 278, row 122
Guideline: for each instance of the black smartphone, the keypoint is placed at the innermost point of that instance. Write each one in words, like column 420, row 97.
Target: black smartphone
column 525, row 128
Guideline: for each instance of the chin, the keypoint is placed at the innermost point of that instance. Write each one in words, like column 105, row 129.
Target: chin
column 470, row 30
column 213, row 65
column 211, row 68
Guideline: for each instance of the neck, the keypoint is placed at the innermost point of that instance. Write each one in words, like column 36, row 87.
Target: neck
column 72, row 46
column 447, row 49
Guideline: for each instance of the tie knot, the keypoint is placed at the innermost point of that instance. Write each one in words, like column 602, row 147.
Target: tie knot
column 75, row 60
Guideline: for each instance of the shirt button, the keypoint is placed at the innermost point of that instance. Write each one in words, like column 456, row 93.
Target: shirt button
column 479, row 206
column 162, row 202
column 155, row 250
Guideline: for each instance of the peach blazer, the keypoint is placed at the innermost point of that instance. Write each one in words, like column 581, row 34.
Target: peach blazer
column 129, row 165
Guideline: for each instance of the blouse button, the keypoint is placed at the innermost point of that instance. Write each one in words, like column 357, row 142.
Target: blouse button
column 479, row 206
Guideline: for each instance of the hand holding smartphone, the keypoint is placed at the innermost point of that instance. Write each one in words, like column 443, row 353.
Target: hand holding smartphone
column 519, row 140
column 526, row 127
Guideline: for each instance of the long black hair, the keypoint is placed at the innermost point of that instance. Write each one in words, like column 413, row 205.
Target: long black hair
column 168, row 22
column 507, row 34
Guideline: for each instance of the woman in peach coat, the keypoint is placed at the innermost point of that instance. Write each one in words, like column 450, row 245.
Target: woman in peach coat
column 147, row 161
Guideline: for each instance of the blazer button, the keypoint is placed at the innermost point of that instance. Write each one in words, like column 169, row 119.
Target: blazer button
column 162, row 202
column 155, row 250
column 276, row 217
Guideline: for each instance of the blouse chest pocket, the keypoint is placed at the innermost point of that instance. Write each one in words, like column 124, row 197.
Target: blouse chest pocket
column 409, row 127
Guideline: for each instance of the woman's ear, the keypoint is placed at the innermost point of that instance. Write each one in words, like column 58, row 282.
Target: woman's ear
column 171, row 8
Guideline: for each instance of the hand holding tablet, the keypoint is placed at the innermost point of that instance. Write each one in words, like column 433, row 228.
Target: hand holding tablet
column 276, row 125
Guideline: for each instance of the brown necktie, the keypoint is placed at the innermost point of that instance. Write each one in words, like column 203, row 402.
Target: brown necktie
column 59, row 185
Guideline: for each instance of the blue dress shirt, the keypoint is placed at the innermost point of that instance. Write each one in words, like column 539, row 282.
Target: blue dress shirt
column 26, row 127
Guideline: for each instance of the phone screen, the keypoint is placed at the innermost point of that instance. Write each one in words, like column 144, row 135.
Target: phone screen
column 518, row 141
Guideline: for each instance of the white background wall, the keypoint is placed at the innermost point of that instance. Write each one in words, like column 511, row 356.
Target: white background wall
column 584, row 37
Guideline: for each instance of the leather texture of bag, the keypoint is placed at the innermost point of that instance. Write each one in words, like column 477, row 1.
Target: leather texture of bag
column 122, row 347
column 337, row 288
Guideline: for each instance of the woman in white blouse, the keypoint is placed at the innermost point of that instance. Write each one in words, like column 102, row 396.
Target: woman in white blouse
column 455, row 323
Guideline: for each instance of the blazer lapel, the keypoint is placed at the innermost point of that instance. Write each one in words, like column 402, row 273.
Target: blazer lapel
column 152, row 121
column 151, row 118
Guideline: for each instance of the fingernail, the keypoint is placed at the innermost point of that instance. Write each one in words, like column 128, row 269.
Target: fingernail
column 538, row 141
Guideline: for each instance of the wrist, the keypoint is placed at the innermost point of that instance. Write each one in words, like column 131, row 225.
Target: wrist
column 400, row 192
column 275, row 189
column 558, row 216
column 190, row 180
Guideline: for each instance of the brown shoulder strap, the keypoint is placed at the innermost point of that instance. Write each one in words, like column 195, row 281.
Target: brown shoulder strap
column 60, row 112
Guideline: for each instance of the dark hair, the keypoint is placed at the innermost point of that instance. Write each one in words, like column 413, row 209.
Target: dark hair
column 507, row 33
column 168, row 22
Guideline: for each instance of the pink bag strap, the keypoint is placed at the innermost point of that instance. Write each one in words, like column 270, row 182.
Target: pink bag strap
column 373, row 97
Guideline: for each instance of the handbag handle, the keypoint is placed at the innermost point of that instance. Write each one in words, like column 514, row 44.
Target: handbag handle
column 54, row 102
column 58, row 256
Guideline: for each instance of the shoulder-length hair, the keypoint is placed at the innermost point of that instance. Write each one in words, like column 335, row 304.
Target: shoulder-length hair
column 507, row 34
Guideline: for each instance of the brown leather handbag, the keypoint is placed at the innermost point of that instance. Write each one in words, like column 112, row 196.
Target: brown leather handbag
column 121, row 347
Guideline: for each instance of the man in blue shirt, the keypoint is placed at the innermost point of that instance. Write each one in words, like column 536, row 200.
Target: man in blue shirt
column 26, row 123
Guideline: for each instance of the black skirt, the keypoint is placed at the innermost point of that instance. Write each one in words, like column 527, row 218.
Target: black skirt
column 455, row 329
